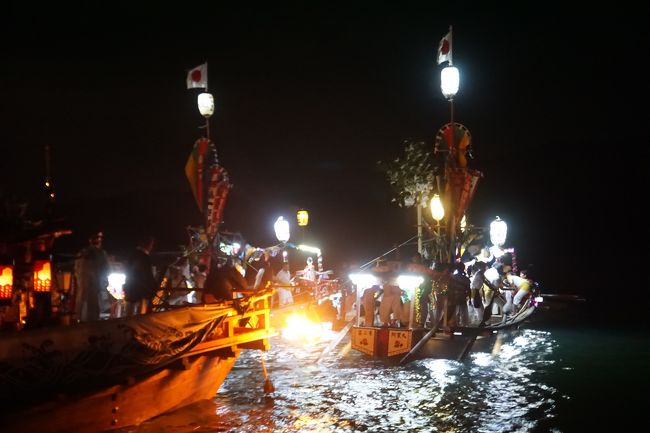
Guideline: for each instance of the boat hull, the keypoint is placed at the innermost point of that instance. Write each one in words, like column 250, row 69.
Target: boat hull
column 449, row 343
column 457, row 345
column 163, row 381
column 188, row 381
column 382, row 342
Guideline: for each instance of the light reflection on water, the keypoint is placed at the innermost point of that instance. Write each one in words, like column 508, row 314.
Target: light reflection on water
column 504, row 392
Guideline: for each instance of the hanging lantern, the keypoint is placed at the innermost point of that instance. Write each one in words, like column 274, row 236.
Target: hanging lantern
column 206, row 104
column 303, row 218
column 281, row 227
column 42, row 276
column 437, row 210
column 6, row 281
column 498, row 232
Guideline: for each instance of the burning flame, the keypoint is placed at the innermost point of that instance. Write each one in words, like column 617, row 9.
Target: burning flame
column 300, row 327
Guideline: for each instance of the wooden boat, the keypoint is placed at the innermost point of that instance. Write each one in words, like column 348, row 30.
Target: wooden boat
column 114, row 373
column 56, row 376
column 403, row 344
column 448, row 246
column 444, row 180
column 458, row 341
column 455, row 342
column 100, row 375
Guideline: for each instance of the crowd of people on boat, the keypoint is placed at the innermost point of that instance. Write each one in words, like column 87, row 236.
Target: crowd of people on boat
column 226, row 278
column 461, row 294
column 454, row 294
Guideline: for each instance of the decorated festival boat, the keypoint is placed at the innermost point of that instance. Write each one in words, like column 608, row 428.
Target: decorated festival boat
column 414, row 337
column 444, row 180
column 58, row 375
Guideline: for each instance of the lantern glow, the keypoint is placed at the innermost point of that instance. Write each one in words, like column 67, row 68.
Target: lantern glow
column 6, row 281
column 206, row 104
column 281, row 227
column 309, row 249
column 449, row 81
column 303, row 218
column 42, row 276
column 437, row 210
column 498, row 232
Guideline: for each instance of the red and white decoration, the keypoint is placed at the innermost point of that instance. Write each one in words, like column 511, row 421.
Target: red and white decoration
column 198, row 77
column 444, row 49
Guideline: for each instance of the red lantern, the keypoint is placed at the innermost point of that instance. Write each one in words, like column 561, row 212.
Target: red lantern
column 6, row 281
column 42, row 276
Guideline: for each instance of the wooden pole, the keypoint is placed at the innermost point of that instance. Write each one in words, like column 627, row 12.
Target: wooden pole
column 419, row 228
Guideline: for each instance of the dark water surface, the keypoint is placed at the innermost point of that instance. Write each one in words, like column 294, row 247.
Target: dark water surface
column 547, row 377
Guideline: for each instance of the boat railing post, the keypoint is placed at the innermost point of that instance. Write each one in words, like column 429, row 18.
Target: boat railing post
column 412, row 307
column 358, row 306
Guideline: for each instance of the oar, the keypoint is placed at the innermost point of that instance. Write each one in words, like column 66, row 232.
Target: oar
column 467, row 348
column 268, row 385
column 336, row 340
column 422, row 341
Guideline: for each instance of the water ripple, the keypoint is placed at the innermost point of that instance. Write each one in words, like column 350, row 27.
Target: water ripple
column 503, row 392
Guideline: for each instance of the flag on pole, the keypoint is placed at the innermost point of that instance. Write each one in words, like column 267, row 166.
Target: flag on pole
column 198, row 77
column 444, row 49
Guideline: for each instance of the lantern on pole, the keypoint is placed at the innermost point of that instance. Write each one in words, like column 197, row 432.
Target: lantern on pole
column 449, row 84
column 281, row 227
column 438, row 213
column 206, row 108
column 437, row 210
column 449, row 81
column 498, row 232
column 206, row 104
column 303, row 218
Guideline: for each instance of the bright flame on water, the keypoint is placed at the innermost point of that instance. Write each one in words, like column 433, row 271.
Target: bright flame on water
column 300, row 327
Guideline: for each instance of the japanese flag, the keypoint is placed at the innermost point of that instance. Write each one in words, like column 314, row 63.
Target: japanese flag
column 198, row 77
column 444, row 49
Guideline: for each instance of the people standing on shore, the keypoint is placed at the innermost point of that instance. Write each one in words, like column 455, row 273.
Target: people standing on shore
column 91, row 271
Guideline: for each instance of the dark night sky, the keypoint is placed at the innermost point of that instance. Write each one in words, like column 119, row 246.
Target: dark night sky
column 309, row 98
